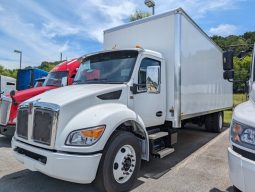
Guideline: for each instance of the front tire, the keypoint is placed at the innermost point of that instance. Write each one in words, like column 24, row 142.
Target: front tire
column 120, row 163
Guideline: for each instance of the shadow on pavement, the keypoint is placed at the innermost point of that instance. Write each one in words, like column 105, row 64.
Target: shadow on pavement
column 28, row 181
column 229, row 189
column 5, row 141
column 189, row 140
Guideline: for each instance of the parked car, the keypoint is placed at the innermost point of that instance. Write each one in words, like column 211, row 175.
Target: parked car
column 26, row 78
column 241, row 154
column 61, row 75
column 114, row 115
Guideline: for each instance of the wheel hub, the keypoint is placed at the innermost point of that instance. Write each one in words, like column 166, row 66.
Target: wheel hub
column 127, row 164
column 124, row 164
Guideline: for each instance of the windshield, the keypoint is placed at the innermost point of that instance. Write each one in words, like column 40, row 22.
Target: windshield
column 109, row 67
column 58, row 78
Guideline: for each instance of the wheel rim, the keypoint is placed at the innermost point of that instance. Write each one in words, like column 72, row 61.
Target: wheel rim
column 220, row 121
column 124, row 164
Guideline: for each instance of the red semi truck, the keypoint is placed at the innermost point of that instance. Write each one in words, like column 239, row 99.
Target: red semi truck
column 61, row 75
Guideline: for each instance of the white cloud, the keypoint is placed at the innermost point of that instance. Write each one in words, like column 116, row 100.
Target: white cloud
column 104, row 15
column 197, row 8
column 223, row 30
column 42, row 29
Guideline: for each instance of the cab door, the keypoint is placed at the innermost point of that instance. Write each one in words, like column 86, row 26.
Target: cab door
column 150, row 104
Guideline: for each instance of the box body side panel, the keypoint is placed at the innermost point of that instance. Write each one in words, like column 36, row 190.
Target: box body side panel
column 203, row 88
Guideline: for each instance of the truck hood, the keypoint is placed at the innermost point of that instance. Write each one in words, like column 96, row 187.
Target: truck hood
column 245, row 113
column 75, row 99
column 24, row 95
column 74, row 93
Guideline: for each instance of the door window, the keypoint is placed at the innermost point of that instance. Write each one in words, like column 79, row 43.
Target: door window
column 146, row 62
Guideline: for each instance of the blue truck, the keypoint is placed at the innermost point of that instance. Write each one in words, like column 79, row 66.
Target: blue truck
column 26, row 78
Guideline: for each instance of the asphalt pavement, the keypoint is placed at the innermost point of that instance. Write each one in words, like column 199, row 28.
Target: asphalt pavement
column 198, row 164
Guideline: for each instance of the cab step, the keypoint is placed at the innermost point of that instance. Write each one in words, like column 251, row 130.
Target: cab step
column 157, row 135
column 163, row 153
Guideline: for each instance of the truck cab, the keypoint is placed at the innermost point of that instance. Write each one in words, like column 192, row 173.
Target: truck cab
column 116, row 94
column 241, row 154
column 61, row 75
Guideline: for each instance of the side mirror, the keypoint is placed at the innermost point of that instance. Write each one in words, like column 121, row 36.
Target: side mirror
column 64, row 81
column 12, row 93
column 227, row 75
column 153, row 79
column 228, row 60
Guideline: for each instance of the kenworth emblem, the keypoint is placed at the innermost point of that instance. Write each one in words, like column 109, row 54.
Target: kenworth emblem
column 30, row 107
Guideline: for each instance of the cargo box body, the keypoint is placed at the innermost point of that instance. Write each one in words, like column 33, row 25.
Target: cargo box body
column 26, row 78
column 194, row 63
column 7, row 84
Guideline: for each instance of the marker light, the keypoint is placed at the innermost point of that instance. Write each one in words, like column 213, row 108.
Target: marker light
column 237, row 130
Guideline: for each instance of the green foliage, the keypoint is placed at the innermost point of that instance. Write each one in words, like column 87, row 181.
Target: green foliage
column 241, row 66
column 8, row 72
column 242, row 72
column 138, row 15
column 47, row 66
column 246, row 40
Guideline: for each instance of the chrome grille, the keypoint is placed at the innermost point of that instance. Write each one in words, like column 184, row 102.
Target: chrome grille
column 5, row 108
column 43, row 125
column 39, row 119
column 22, row 123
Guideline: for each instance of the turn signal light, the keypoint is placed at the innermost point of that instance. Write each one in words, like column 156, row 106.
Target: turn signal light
column 94, row 133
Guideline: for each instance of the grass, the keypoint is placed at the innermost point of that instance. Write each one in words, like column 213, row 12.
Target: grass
column 238, row 98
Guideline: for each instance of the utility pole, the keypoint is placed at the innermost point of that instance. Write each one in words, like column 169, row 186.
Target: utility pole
column 20, row 57
column 150, row 4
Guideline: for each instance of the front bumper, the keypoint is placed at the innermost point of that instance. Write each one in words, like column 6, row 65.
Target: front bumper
column 7, row 130
column 241, row 171
column 68, row 167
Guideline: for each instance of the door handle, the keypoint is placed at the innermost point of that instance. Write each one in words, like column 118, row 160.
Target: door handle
column 159, row 113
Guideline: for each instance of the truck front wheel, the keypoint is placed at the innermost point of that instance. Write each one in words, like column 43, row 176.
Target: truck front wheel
column 214, row 122
column 120, row 163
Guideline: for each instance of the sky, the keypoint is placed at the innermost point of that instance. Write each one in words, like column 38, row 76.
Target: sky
column 44, row 29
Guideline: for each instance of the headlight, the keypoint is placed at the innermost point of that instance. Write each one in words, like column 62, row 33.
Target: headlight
column 248, row 136
column 85, row 137
column 243, row 135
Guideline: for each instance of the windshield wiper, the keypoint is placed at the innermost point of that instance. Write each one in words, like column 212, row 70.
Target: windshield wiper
column 52, row 85
column 77, row 81
column 96, row 79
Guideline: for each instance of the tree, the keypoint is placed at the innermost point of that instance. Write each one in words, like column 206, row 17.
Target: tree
column 242, row 72
column 47, row 66
column 8, row 72
column 138, row 15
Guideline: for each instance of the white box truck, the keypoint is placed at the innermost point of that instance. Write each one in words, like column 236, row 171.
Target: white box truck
column 241, row 154
column 7, row 84
column 124, row 103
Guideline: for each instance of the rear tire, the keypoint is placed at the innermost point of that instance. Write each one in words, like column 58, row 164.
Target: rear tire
column 120, row 163
column 214, row 122
column 235, row 189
